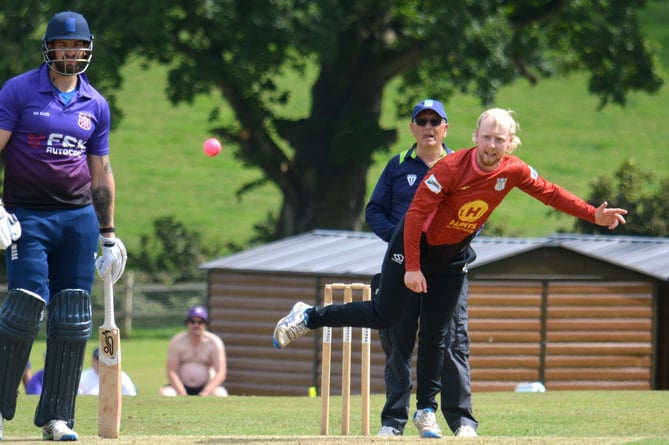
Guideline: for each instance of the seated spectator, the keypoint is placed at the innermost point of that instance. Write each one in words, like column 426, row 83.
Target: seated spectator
column 27, row 375
column 196, row 361
column 90, row 381
column 34, row 386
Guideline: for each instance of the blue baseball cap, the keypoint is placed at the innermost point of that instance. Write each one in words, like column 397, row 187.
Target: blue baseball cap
column 429, row 104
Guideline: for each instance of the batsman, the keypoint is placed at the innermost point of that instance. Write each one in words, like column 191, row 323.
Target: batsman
column 58, row 212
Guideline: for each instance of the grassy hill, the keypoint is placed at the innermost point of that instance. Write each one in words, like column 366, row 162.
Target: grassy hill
column 161, row 170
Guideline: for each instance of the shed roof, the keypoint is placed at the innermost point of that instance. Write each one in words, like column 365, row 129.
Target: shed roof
column 339, row 252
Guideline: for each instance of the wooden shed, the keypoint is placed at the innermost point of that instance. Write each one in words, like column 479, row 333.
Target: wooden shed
column 571, row 311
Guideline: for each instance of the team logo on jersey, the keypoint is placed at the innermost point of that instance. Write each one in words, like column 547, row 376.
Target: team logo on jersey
column 411, row 179
column 65, row 145
column 398, row 258
column 501, row 184
column 433, row 184
column 472, row 211
column 533, row 173
column 84, row 121
column 34, row 140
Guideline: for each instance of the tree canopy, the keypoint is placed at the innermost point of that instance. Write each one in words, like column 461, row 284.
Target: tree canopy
column 241, row 49
column 643, row 193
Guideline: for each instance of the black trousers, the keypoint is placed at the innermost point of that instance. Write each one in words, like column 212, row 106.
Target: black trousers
column 398, row 344
column 445, row 269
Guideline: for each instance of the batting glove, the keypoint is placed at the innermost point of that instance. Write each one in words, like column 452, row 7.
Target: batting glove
column 10, row 228
column 113, row 258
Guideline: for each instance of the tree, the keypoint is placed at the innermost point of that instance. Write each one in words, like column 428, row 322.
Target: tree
column 242, row 49
column 638, row 192
column 172, row 252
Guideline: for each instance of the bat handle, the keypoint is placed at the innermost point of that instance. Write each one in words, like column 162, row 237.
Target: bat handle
column 110, row 319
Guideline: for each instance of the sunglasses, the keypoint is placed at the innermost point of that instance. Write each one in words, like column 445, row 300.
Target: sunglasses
column 193, row 321
column 422, row 121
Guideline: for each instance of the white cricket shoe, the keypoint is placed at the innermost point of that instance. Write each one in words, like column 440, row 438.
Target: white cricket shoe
column 58, row 430
column 465, row 431
column 426, row 422
column 1, row 420
column 291, row 326
column 388, row 431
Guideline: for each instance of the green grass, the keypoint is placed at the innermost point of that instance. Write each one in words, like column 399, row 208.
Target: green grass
column 161, row 170
column 561, row 417
column 550, row 418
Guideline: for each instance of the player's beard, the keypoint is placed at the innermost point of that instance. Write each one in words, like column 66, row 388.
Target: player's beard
column 487, row 161
column 67, row 67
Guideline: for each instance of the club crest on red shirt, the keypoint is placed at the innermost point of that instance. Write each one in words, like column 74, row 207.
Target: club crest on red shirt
column 501, row 184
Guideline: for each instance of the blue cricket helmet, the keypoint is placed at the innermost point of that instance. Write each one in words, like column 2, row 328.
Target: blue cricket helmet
column 68, row 25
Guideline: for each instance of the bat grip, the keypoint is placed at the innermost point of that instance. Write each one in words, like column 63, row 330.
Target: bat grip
column 110, row 319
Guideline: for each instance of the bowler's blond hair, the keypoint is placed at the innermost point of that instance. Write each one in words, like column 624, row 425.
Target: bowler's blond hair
column 502, row 118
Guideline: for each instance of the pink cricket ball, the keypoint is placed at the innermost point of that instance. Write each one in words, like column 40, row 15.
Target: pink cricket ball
column 212, row 147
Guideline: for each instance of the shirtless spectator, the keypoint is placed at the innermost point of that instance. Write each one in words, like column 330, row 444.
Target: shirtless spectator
column 196, row 363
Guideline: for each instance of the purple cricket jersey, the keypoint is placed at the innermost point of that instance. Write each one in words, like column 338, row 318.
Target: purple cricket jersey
column 46, row 155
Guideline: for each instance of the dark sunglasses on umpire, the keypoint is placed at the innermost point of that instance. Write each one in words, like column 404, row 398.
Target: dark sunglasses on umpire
column 422, row 121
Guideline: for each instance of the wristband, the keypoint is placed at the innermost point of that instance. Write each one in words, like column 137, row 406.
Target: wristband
column 107, row 242
column 107, row 230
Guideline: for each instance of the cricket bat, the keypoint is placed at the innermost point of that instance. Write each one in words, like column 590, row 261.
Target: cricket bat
column 109, row 371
